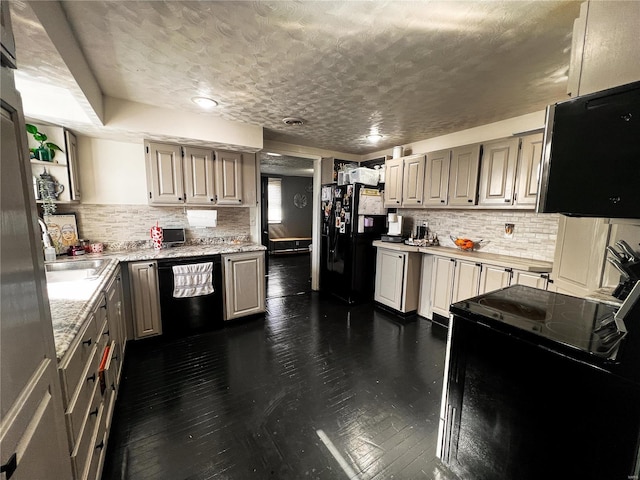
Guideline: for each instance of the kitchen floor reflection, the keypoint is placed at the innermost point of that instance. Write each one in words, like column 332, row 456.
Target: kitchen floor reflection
column 315, row 390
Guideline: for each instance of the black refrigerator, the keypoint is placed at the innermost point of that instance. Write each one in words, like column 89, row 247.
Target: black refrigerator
column 352, row 217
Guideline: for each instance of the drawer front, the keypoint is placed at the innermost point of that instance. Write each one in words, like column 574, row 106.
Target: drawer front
column 81, row 457
column 75, row 360
column 85, row 399
column 98, row 450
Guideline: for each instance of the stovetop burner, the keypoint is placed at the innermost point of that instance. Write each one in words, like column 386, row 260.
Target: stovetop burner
column 574, row 322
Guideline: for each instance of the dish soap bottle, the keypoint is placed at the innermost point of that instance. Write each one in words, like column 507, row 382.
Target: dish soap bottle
column 49, row 254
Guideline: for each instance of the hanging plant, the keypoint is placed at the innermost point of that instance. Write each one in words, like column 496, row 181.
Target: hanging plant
column 48, row 204
column 47, row 150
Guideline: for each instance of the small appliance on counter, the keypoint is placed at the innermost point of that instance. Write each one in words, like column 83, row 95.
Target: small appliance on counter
column 173, row 237
column 394, row 234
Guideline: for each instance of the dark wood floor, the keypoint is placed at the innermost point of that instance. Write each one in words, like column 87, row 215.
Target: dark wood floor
column 289, row 274
column 315, row 389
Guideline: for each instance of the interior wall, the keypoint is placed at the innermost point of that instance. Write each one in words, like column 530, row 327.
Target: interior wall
column 296, row 221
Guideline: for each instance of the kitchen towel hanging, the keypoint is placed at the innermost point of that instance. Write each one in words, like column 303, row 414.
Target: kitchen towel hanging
column 192, row 280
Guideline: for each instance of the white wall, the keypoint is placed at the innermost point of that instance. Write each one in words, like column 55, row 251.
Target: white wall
column 490, row 131
column 112, row 172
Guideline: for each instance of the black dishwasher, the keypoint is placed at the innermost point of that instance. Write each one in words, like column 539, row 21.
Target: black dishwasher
column 187, row 316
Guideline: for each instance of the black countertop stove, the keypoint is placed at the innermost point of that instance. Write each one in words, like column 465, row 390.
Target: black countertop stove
column 570, row 325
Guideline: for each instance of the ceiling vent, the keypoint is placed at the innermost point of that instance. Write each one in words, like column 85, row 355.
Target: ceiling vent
column 293, row 121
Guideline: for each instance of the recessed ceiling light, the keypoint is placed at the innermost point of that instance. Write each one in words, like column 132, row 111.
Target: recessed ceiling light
column 204, row 102
column 374, row 137
column 293, row 121
column 274, row 154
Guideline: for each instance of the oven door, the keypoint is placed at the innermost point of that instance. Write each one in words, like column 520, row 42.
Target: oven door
column 187, row 316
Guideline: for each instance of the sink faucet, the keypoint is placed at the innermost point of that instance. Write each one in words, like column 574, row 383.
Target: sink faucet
column 46, row 238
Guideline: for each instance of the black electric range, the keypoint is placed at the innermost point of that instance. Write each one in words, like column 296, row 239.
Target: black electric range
column 581, row 328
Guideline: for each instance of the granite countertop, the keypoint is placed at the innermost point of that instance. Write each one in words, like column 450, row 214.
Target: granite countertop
column 519, row 263
column 72, row 302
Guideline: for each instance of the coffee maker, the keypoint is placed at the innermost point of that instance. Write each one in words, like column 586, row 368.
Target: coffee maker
column 394, row 233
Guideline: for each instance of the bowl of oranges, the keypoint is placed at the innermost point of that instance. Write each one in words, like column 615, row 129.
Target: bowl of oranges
column 466, row 244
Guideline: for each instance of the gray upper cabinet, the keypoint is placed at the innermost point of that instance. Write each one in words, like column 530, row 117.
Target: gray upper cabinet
column 229, row 178
column 393, row 183
column 436, row 182
column 164, row 170
column 463, row 176
column 199, row 176
column 498, row 172
column 8, row 43
column 72, row 162
column 528, row 171
column 413, row 180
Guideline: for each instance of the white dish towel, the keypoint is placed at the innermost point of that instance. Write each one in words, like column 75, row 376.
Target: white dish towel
column 192, row 280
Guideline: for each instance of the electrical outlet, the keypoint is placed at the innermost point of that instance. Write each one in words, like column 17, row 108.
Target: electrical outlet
column 508, row 230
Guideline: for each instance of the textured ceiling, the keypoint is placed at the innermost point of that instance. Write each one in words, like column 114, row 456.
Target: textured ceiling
column 411, row 70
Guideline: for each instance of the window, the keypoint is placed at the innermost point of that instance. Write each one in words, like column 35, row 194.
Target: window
column 274, row 196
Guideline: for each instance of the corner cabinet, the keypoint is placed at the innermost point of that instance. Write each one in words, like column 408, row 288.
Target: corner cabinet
column 244, row 284
column 145, row 299
column 179, row 175
column 397, row 279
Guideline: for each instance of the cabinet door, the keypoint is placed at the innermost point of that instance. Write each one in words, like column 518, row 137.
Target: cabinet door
column 493, row 278
column 390, row 277
column 250, row 177
column 115, row 318
column 145, row 297
column 164, row 171
column 530, row 279
column 529, row 170
column 437, row 178
column 229, row 178
column 6, row 35
column 72, row 163
column 498, row 172
column 442, row 284
column 413, row 180
column 463, row 177
column 579, row 258
column 393, row 183
column 466, row 280
column 244, row 284
column 198, row 176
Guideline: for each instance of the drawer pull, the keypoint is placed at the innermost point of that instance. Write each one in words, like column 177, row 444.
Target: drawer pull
column 115, row 357
column 10, row 467
column 87, row 342
column 100, row 446
column 92, row 377
column 106, row 332
column 94, row 412
column 113, row 387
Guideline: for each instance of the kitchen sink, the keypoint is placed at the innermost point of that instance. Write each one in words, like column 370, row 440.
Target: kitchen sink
column 71, row 271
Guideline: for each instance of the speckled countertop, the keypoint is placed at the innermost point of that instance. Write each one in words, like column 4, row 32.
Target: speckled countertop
column 72, row 302
column 519, row 263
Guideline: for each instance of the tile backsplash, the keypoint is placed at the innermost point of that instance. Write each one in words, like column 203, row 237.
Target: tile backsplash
column 534, row 234
column 118, row 225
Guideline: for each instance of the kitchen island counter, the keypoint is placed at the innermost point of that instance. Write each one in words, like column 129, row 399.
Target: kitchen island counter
column 72, row 302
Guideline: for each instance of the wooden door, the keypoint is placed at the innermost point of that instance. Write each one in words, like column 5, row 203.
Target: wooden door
column 493, row 278
column 199, row 176
column 244, row 284
column 498, row 172
column 437, row 178
column 530, row 279
column 164, row 171
column 413, row 180
column 528, row 172
column 466, row 280
column 72, row 164
column 393, row 183
column 145, row 297
column 33, row 440
column 442, row 284
column 390, row 270
column 463, row 176
column 229, row 178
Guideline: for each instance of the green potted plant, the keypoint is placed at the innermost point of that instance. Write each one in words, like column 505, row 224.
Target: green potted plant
column 46, row 151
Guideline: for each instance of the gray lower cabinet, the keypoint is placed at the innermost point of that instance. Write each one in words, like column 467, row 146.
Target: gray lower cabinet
column 244, row 284
column 145, row 299
column 397, row 279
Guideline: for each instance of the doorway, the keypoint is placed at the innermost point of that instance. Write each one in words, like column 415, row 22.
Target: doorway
column 287, row 222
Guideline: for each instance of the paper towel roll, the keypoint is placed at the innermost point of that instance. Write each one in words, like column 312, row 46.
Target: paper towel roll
column 397, row 152
column 202, row 218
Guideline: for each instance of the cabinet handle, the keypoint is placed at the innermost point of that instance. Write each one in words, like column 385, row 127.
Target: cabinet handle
column 87, row 342
column 397, row 201
column 10, row 467
column 239, row 200
column 469, row 200
column 115, row 357
column 92, row 377
column 151, row 265
column 507, row 200
column 104, row 306
column 180, row 198
column 113, row 387
column 94, row 412
column 441, row 201
column 106, row 332
column 418, row 201
column 211, row 199
column 100, row 446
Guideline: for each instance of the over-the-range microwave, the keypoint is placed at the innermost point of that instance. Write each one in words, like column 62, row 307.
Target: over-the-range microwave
column 591, row 159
